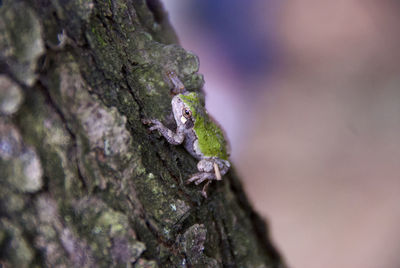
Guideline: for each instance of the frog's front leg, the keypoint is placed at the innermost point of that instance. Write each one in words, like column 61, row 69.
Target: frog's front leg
column 209, row 169
column 174, row 138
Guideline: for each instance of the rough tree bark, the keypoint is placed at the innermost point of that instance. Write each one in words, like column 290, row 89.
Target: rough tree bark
column 82, row 181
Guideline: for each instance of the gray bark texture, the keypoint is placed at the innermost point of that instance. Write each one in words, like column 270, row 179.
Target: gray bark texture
column 82, row 181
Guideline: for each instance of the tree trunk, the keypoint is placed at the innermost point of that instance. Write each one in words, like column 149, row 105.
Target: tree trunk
column 82, row 181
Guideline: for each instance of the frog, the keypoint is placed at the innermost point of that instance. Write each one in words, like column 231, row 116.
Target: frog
column 199, row 133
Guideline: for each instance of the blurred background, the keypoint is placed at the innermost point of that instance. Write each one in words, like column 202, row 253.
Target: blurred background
column 309, row 95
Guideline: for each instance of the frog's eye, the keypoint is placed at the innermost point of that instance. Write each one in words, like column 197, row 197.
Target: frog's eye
column 187, row 113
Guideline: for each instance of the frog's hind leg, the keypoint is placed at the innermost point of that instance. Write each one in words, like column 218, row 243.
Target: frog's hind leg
column 200, row 177
column 209, row 169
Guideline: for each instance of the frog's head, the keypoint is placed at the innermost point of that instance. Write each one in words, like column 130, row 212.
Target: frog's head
column 187, row 107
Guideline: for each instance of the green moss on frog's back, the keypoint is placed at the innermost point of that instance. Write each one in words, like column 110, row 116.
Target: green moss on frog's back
column 210, row 136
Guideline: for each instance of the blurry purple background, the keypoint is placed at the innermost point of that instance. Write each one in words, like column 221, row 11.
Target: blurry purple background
column 309, row 95
column 237, row 49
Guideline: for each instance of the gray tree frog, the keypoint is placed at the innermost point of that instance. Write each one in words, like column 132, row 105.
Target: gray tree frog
column 200, row 135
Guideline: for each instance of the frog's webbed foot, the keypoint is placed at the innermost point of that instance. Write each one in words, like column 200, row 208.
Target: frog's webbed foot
column 199, row 178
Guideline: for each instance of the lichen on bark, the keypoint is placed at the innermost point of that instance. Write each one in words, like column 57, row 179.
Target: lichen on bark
column 82, row 181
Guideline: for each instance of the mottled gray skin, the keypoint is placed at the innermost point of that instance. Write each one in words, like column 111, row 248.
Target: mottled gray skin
column 210, row 168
